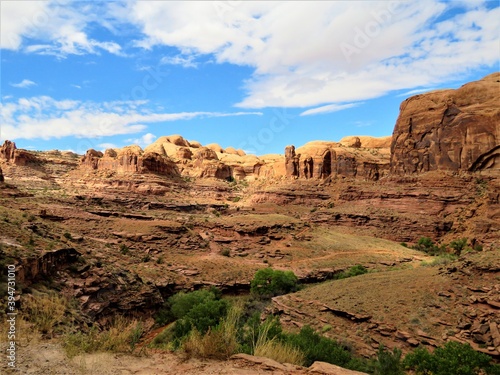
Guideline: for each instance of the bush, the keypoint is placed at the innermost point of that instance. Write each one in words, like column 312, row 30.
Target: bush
column 426, row 245
column 453, row 358
column 124, row 249
column 389, row 363
column 268, row 282
column 318, row 348
column 200, row 310
column 459, row 245
column 353, row 271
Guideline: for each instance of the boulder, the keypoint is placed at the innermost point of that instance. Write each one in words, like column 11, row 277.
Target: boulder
column 449, row 130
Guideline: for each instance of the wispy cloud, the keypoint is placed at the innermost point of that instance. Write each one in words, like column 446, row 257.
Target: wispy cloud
column 417, row 91
column 25, row 83
column 184, row 61
column 328, row 109
column 45, row 118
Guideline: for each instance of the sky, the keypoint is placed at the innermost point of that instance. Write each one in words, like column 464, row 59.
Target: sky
column 253, row 75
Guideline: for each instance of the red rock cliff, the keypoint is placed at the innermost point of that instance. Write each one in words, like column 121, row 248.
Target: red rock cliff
column 454, row 130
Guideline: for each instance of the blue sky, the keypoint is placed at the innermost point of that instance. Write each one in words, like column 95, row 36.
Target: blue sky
column 252, row 75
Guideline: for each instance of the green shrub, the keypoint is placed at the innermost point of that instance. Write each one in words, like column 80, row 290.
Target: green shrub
column 426, row 245
column 124, row 249
column 453, row 358
column 318, row 348
column 353, row 271
column 201, row 309
column 459, row 245
column 268, row 282
column 389, row 363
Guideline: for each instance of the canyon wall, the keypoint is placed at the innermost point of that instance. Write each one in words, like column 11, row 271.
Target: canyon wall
column 449, row 130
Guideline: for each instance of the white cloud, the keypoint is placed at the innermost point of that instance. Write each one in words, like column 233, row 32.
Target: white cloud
column 17, row 19
column 184, row 61
column 328, row 109
column 328, row 52
column 143, row 141
column 105, row 146
column 25, row 83
column 58, row 26
column 44, row 117
column 417, row 91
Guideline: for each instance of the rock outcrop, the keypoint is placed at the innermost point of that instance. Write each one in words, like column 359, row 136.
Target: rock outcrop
column 213, row 161
column 364, row 157
column 1, row 176
column 130, row 159
column 11, row 154
column 449, row 130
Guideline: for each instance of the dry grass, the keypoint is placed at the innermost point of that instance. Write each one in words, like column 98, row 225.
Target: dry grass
column 47, row 311
column 274, row 349
column 280, row 352
column 26, row 333
column 219, row 343
column 120, row 337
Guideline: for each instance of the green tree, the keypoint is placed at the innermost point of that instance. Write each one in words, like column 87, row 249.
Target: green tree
column 268, row 282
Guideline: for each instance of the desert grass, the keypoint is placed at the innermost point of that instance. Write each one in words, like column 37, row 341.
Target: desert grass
column 26, row 333
column 441, row 260
column 274, row 349
column 220, row 342
column 46, row 311
column 120, row 336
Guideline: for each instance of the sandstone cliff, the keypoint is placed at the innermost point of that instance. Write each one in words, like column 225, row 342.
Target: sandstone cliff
column 11, row 154
column 195, row 160
column 365, row 157
column 130, row 159
column 452, row 130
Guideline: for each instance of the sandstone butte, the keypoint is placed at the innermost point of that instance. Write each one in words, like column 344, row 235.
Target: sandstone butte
column 449, row 130
column 445, row 130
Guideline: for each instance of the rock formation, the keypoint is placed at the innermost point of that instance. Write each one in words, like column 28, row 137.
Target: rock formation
column 1, row 175
column 11, row 154
column 213, row 161
column 130, row 159
column 452, row 130
column 364, row 157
